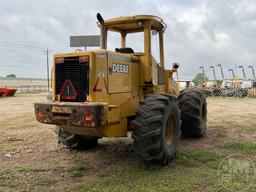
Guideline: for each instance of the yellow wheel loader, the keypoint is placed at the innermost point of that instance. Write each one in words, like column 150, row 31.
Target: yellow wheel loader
column 102, row 93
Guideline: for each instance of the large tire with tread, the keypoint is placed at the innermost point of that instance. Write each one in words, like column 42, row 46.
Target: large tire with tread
column 157, row 128
column 193, row 108
column 75, row 141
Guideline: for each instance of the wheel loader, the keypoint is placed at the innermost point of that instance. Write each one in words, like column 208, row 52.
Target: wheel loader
column 101, row 93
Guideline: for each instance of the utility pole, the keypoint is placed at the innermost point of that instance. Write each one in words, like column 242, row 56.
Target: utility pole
column 221, row 70
column 253, row 72
column 47, row 57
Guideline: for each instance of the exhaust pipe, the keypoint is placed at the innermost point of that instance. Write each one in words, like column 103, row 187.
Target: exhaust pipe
column 103, row 32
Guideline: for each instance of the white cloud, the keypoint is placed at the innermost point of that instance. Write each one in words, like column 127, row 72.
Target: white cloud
column 199, row 32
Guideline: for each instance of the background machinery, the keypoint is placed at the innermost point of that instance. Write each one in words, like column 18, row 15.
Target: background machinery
column 253, row 72
column 221, row 70
column 102, row 93
column 252, row 90
column 244, row 75
column 216, row 91
column 233, row 87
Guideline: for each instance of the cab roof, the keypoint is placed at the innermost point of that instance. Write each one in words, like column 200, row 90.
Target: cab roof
column 132, row 24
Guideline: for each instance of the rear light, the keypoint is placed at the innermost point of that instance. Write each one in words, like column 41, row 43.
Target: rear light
column 40, row 114
column 83, row 59
column 88, row 118
column 59, row 60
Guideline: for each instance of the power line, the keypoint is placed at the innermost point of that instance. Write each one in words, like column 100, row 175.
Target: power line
column 37, row 48
column 17, row 47
column 21, row 67
column 18, row 57
column 23, row 45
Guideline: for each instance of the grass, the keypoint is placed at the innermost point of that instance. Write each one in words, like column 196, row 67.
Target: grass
column 221, row 132
column 244, row 125
column 245, row 129
column 25, row 121
column 196, row 157
column 79, row 166
column 247, row 147
column 8, row 147
column 19, row 94
column 36, row 169
column 191, row 170
column 11, row 180
column 44, row 181
column 135, row 178
column 25, row 178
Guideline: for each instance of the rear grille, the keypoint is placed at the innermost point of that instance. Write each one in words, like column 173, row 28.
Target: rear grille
column 77, row 73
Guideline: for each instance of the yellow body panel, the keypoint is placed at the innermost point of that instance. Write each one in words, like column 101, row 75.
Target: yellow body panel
column 120, row 80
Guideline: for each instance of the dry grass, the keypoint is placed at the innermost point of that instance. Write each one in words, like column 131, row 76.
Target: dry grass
column 31, row 160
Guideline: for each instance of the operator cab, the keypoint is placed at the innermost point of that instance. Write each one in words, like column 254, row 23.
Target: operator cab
column 146, row 24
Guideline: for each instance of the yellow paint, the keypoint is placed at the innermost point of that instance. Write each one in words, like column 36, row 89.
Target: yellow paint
column 121, row 91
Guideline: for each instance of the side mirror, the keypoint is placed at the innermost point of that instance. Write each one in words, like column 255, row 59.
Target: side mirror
column 175, row 66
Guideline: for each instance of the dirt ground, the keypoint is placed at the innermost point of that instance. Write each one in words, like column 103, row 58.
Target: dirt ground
column 31, row 159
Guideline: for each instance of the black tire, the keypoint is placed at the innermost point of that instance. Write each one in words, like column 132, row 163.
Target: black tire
column 208, row 92
column 193, row 108
column 75, row 141
column 216, row 92
column 157, row 128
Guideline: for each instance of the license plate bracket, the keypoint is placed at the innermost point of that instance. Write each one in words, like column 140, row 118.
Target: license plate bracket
column 61, row 109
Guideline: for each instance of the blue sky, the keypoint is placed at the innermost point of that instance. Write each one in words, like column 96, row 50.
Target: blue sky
column 200, row 32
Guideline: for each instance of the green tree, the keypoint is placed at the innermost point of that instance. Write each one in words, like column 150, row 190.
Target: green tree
column 199, row 78
column 11, row 76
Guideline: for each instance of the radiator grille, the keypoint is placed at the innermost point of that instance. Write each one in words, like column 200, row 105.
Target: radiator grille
column 77, row 73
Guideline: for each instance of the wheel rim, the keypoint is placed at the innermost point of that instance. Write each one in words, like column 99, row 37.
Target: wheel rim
column 170, row 130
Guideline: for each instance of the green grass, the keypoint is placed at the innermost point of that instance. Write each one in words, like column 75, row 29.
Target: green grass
column 237, row 125
column 221, row 132
column 44, row 181
column 192, row 170
column 36, row 169
column 36, row 93
column 248, row 129
column 11, row 180
column 240, row 146
column 79, row 166
column 135, row 178
column 14, row 178
column 196, row 157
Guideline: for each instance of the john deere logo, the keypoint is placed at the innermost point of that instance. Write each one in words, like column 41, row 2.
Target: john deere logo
column 237, row 173
column 120, row 68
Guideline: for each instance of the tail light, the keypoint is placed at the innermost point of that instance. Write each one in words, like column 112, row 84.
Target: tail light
column 59, row 60
column 83, row 59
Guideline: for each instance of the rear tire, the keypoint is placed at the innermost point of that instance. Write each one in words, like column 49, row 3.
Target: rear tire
column 193, row 107
column 75, row 141
column 157, row 128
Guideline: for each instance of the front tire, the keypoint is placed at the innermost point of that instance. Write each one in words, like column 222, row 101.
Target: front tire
column 157, row 128
column 75, row 141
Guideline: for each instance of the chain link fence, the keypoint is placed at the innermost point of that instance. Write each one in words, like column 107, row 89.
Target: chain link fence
column 25, row 85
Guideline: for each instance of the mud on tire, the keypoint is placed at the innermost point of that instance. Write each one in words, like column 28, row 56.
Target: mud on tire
column 75, row 141
column 157, row 128
column 193, row 108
